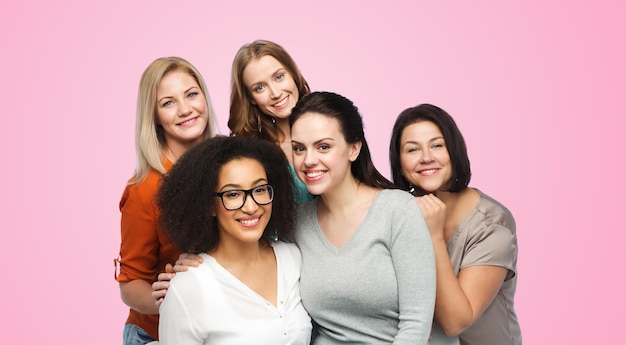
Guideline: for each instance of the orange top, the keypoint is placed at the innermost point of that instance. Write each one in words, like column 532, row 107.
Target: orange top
column 145, row 249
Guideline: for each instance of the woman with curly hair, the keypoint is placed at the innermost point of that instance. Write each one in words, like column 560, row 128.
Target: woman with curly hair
column 228, row 200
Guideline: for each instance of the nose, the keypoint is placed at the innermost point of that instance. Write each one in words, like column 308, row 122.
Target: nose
column 310, row 159
column 427, row 157
column 184, row 108
column 249, row 206
column 274, row 91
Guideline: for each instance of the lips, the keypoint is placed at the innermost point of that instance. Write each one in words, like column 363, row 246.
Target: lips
column 188, row 122
column 428, row 172
column 281, row 103
column 249, row 222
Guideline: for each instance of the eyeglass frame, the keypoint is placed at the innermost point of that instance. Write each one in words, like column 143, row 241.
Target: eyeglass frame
column 246, row 192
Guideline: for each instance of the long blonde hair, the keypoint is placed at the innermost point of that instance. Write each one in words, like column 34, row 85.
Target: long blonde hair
column 149, row 136
column 246, row 118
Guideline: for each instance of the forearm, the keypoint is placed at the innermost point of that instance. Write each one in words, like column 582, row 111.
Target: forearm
column 452, row 308
column 137, row 294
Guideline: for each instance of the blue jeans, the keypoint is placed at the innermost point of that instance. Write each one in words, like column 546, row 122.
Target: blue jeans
column 134, row 335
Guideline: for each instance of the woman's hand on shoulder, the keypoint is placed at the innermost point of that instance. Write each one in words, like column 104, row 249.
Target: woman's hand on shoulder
column 434, row 211
column 159, row 287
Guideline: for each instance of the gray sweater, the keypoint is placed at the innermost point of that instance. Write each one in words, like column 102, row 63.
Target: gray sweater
column 379, row 288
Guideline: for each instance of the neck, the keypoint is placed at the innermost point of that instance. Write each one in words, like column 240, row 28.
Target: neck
column 235, row 253
column 344, row 197
column 174, row 150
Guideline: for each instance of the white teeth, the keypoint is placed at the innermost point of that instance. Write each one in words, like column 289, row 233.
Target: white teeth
column 281, row 103
column 188, row 121
column 430, row 171
column 315, row 174
column 249, row 221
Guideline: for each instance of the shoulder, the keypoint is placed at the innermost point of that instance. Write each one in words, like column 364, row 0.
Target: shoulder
column 494, row 213
column 287, row 253
column 144, row 189
column 395, row 200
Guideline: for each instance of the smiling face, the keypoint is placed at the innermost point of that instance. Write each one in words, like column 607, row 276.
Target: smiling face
column 182, row 110
column 272, row 87
column 247, row 223
column 321, row 156
column 424, row 157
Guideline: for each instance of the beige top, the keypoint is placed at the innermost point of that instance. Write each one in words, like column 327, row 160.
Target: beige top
column 487, row 237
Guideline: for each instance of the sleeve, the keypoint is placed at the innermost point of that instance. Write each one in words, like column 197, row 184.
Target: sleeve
column 493, row 245
column 176, row 320
column 140, row 243
column 414, row 262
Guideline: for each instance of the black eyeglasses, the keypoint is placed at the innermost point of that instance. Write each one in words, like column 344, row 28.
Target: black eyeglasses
column 235, row 199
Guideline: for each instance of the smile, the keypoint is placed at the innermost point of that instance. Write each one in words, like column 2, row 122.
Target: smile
column 427, row 171
column 249, row 222
column 314, row 174
column 189, row 122
column 281, row 103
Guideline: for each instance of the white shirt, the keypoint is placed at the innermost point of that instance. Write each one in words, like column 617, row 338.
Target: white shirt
column 208, row 305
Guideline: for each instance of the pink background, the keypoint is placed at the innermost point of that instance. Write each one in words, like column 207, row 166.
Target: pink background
column 536, row 87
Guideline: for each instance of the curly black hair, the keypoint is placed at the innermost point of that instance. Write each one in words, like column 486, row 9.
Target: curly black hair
column 185, row 198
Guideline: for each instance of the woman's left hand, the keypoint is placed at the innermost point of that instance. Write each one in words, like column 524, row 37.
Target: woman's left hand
column 434, row 211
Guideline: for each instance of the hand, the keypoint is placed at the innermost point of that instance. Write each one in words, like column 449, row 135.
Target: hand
column 185, row 260
column 159, row 287
column 434, row 211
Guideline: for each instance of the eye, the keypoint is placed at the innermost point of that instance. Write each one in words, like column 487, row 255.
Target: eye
column 232, row 194
column 297, row 149
column 324, row 147
column 192, row 94
column 280, row 76
column 258, row 88
column 260, row 190
column 167, row 104
column 437, row 145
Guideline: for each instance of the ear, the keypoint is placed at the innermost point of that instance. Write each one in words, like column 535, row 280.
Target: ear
column 355, row 150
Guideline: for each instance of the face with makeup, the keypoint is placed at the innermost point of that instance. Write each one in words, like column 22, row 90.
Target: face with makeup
column 242, row 181
column 272, row 87
column 322, row 157
column 181, row 109
column 424, row 157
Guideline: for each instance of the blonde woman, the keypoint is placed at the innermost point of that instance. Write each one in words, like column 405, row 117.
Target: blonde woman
column 174, row 113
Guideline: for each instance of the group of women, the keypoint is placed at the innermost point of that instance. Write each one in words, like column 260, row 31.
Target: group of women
column 359, row 260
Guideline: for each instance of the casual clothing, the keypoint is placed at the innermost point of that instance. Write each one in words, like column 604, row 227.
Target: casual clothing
column 487, row 237
column 300, row 193
column 134, row 335
column 208, row 305
column 380, row 286
column 144, row 249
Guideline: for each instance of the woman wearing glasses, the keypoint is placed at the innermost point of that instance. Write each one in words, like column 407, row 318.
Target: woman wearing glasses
column 228, row 199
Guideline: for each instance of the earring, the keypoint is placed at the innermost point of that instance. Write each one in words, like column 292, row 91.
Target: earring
column 274, row 121
column 411, row 189
column 258, row 122
column 274, row 236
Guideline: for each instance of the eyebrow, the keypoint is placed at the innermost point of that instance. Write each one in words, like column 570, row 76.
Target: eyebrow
column 234, row 186
column 415, row 142
column 189, row 89
column 315, row 142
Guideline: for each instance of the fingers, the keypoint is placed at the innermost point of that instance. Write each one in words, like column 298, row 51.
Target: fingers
column 159, row 289
column 185, row 260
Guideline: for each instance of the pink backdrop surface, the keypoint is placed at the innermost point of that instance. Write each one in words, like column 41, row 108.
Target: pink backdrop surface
column 536, row 87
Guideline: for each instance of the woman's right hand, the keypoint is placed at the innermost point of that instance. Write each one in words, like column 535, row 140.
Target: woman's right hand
column 159, row 287
column 434, row 212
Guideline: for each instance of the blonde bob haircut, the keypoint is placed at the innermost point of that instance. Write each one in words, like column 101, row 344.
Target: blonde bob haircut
column 246, row 118
column 149, row 135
